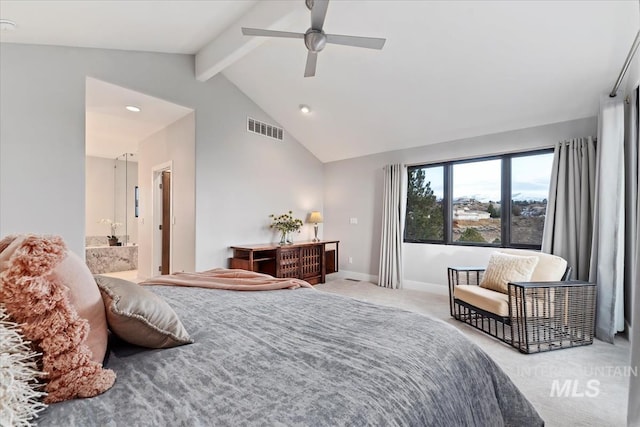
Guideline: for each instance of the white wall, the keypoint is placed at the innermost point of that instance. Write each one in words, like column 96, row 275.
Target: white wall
column 632, row 79
column 99, row 193
column 102, row 198
column 174, row 144
column 240, row 178
column 353, row 189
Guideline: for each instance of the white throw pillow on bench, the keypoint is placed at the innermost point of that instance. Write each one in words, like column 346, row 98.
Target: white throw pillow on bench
column 504, row 268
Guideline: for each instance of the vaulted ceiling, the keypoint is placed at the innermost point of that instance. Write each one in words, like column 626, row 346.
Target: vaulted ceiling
column 449, row 69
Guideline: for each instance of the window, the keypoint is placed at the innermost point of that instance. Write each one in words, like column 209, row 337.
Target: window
column 425, row 215
column 530, row 177
column 497, row 201
column 475, row 215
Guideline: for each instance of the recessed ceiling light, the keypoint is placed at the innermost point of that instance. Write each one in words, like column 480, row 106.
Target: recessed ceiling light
column 6, row 25
column 133, row 108
column 305, row 109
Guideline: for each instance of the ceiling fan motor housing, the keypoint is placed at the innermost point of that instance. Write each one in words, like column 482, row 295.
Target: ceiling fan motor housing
column 315, row 40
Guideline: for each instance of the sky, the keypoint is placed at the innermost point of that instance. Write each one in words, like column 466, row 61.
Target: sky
column 481, row 180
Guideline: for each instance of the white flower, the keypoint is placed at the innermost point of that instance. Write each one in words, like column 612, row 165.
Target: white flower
column 112, row 224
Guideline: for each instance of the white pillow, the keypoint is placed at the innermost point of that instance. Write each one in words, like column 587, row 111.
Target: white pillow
column 20, row 389
column 504, row 268
column 550, row 268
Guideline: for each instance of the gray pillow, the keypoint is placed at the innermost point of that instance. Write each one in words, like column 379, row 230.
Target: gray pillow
column 139, row 316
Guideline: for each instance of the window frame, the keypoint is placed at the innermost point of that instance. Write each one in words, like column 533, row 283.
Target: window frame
column 505, row 200
column 445, row 209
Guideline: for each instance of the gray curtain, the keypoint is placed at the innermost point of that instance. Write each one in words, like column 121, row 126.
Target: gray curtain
column 569, row 221
column 607, row 250
column 390, row 274
column 632, row 276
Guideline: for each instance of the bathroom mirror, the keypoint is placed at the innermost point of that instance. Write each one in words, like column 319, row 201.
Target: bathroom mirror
column 124, row 196
column 110, row 198
column 110, row 211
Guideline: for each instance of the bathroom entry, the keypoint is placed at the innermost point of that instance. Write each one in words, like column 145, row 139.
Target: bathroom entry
column 161, row 134
column 162, row 220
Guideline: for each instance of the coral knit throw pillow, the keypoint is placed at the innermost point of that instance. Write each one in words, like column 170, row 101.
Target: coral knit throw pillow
column 50, row 292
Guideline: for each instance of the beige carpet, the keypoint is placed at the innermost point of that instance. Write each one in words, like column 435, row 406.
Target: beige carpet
column 598, row 373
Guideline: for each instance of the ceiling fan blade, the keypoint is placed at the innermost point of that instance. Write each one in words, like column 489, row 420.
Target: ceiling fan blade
column 270, row 33
column 310, row 69
column 368, row 42
column 318, row 12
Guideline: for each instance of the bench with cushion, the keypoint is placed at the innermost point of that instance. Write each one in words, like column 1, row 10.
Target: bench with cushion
column 490, row 299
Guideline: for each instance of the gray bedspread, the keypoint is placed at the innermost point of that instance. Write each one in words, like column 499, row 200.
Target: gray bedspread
column 301, row 358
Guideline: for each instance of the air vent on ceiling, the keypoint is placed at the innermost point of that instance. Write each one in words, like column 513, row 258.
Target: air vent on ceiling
column 264, row 129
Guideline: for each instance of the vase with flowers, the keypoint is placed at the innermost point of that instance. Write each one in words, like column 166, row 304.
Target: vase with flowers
column 285, row 224
column 113, row 239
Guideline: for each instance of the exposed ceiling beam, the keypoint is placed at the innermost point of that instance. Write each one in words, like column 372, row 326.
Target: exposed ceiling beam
column 231, row 45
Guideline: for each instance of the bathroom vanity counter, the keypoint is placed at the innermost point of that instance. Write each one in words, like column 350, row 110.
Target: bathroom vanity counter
column 107, row 259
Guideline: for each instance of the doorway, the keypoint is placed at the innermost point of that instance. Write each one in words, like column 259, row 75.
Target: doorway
column 160, row 132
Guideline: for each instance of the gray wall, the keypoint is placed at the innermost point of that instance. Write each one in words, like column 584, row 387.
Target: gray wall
column 353, row 189
column 240, row 178
column 632, row 82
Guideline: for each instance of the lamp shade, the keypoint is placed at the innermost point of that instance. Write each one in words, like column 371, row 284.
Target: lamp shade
column 315, row 217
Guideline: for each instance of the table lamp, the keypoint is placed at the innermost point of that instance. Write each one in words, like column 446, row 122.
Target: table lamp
column 315, row 218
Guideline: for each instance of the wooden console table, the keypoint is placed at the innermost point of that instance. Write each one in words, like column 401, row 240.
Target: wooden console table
column 310, row 261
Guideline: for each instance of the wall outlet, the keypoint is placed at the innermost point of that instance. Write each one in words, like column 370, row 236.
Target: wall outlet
column 353, row 221
column 350, row 260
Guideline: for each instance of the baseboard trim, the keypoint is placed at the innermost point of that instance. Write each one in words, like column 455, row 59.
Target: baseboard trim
column 424, row 286
column 406, row 284
column 346, row 274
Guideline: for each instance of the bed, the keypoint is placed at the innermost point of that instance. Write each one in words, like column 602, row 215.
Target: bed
column 300, row 357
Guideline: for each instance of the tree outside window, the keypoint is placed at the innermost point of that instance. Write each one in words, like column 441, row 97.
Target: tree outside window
column 424, row 218
column 481, row 209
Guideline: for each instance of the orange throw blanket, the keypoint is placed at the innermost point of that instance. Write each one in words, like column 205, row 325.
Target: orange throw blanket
column 229, row 279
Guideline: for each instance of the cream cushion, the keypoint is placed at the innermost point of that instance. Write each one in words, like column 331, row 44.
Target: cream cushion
column 139, row 316
column 498, row 303
column 504, row 268
column 550, row 268
column 484, row 299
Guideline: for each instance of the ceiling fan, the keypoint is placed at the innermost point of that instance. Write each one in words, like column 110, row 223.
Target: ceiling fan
column 314, row 38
